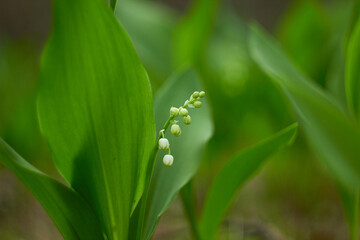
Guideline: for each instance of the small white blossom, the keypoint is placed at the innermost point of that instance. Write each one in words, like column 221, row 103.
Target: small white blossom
column 197, row 104
column 164, row 143
column 168, row 160
column 183, row 112
column 175, row 130
column 195, row 94
column 187, row 119
column 174, row 112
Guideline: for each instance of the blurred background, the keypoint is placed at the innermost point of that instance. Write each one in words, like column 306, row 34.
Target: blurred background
column 292, row 197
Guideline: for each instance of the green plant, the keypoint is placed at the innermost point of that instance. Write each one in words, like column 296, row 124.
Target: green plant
column 230, row 178
column 95, row 109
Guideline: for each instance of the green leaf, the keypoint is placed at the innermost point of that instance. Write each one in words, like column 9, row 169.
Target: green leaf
column 113, row 4
column 327, row 126
column 188, row 199
column 352, row 73
column 239, row 169
column 305, row 30
column 330, row 132
column 350, row 202
column 352, row 22
column 70, row 213
column 187, row 149
column 150, row 26
column 96, row 111
column 193, row 31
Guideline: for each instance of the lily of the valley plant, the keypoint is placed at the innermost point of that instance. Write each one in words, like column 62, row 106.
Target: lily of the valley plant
column 96, row 111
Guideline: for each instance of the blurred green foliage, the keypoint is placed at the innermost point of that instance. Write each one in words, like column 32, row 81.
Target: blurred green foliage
column 245, row 105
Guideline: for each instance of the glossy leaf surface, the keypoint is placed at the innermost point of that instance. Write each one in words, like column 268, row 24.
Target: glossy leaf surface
column 96, row 111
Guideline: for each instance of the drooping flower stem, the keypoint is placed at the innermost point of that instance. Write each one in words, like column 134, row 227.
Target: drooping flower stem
column 174, row 112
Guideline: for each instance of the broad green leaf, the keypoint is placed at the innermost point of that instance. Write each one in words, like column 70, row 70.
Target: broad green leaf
column 96, row 111
column 327, row 127
column 191, row 35
column 239, row 169
column 187, row 149
column 70, row 213
column 150, row 26
column 352, row 73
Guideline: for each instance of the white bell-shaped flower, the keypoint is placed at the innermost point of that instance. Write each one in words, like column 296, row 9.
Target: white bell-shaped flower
column 175, row 130
column 168, row 160
column 187, row 119
column 183, row 112
column 174, row 112
column 164, row 143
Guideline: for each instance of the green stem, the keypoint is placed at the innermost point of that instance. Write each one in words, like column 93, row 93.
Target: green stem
column 355, row 221
column 149, row 173
column 188, row 200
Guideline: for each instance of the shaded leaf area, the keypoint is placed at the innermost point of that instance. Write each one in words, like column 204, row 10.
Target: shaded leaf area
column 338, row 17
column 18, row 73
column 352, row 81
column 70, row 213
column 236, row 171
column 327, row 126
column 96, row 111
column 150, row 26
column 187, row 149
column 113, row 4
column 353, row 21
column 189, row 200
column 350, row 203
column 18, row 118
column 192, row 33
column 305, row 30
column 246, row 106
column 319, row 113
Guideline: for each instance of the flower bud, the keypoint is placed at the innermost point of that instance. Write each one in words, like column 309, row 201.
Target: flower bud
column 183, row 112
column 174, row 112
column 189, row 104
column 195, row 94
column 175, row 130
column 202, row 94
column 164, row 143
column 168, row 160
column 197, row 104
column 187, row 119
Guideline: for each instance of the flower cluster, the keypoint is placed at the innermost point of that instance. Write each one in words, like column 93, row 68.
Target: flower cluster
column 193, row 102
